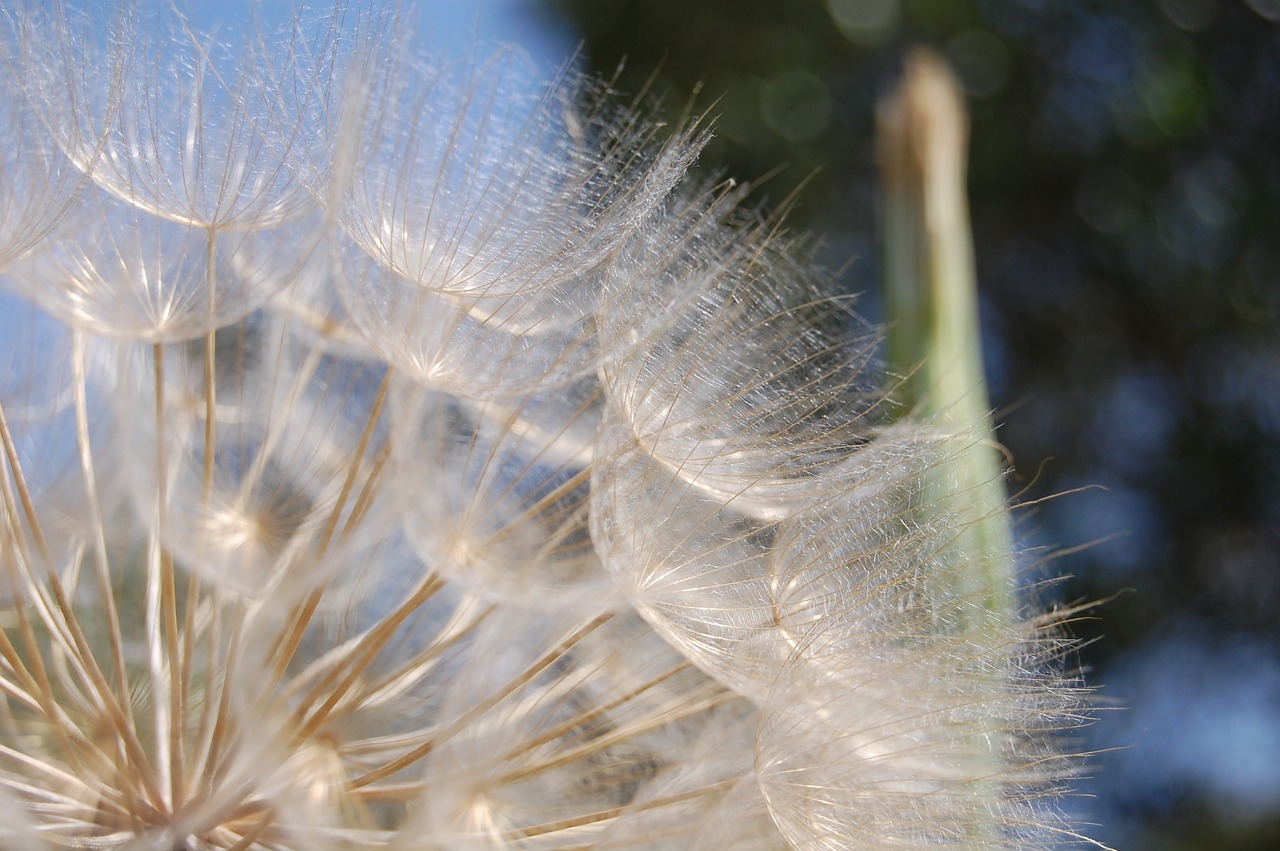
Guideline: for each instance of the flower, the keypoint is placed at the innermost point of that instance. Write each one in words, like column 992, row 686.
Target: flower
column 398, row 456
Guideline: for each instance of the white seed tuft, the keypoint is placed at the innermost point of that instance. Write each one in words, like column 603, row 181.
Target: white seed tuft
column 396, row 455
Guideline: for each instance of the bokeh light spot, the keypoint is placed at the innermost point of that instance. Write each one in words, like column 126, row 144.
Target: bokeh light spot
column 864, row 22
column 796, row 106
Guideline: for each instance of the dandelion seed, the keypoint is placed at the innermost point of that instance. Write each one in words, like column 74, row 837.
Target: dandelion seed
column 37, row 185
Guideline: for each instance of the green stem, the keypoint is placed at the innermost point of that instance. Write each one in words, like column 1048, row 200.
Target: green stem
column 934, row 336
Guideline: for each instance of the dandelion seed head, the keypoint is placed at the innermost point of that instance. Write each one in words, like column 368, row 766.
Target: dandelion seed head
column 393, row 454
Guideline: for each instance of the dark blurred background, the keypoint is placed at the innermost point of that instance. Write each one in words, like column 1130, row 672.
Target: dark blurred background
column 1125, row 186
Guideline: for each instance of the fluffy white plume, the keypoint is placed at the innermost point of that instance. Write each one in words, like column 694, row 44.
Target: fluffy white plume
column 394, row 455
